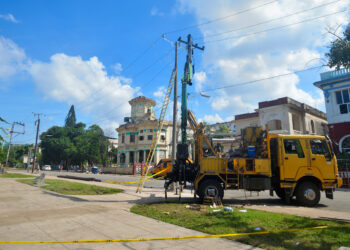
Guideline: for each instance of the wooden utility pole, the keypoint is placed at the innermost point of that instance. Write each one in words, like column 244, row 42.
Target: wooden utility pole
column 36, row 139
column 173, row 153
column 12, row 131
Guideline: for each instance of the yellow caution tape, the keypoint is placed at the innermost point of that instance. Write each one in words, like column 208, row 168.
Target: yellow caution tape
column 166, row 238
column 149, row 178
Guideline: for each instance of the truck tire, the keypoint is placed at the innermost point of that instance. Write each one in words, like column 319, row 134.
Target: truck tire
column 211, row 188
column 308, row 194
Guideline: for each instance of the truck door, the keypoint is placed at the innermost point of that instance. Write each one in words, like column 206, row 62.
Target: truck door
column 321, row 158
column 293, row 158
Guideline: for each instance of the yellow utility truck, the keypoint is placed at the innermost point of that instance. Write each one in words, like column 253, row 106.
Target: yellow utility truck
column 289, row 165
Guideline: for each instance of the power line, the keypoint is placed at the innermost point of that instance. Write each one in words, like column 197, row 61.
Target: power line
column 270, row 20
column 259, row 80
column 276, row 28
column 144, row 85
column 142, row 54
column 154, row 77
column 220, row 18
column 91, row 102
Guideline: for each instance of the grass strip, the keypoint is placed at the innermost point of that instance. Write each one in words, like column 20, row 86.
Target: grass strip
column 223, row 222
column 10, row 175
column 73, row 188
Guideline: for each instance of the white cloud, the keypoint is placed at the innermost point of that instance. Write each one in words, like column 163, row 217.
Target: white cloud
column 12, row 58
column 156, row 12
column 9, row 17
column 199, row 80
column 263, row 55
column 211, row 119
column 117, row 68
column 85, row 83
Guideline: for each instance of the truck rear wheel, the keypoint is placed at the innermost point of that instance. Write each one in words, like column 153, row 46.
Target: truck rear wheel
column 210, row 188
column 308, row 194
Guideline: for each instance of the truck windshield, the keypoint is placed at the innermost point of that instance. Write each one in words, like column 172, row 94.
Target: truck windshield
column 320, row 147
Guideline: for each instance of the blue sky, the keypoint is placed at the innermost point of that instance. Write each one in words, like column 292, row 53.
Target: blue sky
column 58, row 53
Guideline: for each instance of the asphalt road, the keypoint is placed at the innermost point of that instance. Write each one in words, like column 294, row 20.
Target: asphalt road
column 340, row 203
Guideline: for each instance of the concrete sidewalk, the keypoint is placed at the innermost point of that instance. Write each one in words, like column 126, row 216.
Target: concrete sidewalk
column 31, row 213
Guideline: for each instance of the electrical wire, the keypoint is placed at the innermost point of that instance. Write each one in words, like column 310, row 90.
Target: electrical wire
column 268, row 21
column 220, row 18
column 275, row 28
column 259, row 80
column 142, row 54
column 91, row 102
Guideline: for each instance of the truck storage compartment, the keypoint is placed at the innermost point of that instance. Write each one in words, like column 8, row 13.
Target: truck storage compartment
column 256, row 183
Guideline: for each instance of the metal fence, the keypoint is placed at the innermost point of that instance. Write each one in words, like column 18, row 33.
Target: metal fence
column 344, row 171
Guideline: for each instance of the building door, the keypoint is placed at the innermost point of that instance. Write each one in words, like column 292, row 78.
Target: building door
column 131, row 157
column 141, row 156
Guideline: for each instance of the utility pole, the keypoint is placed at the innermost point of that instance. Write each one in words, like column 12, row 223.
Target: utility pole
column 187, row 79
column 173, row 153
column 182, row 153
column 12, row 131
column 36, row 138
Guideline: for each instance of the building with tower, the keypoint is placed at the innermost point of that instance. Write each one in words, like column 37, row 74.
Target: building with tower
column 136, row 135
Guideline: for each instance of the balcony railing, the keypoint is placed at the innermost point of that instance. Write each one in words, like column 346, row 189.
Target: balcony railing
column 334, row 74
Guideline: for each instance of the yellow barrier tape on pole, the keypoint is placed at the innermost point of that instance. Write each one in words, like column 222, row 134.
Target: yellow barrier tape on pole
column 149, row 178
column 165, row 238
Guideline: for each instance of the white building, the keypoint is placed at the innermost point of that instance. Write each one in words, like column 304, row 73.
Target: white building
column 336, row 89
column 285, row 115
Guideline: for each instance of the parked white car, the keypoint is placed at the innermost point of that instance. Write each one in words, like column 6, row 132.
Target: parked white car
column 47, row 167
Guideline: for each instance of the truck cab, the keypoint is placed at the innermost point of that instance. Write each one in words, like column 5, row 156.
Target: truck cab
column 301, row 166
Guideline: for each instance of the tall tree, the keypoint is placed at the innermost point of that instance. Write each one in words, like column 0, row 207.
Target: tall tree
column 339, row 52
column 71, row 119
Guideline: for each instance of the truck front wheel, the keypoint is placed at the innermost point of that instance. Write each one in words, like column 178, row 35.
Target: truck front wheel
column 210, row 188
column 308, row 194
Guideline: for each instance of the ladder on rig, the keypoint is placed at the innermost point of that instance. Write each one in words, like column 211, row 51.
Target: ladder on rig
column 156, row 133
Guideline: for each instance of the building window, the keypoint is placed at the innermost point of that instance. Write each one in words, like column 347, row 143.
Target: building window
column 343, row 100
column 150, row 137
column 132, row 138
column 141, row 138
column 296, row 122
column 292, row 146
column 123, row 138
column 312, row 127
column 344, row 144
column 275, row 125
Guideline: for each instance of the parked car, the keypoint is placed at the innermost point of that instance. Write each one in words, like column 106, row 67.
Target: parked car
column 46, row 168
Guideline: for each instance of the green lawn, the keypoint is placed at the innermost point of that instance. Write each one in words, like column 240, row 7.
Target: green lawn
column 73, row 188
column 240, row 222
column 9, row 175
